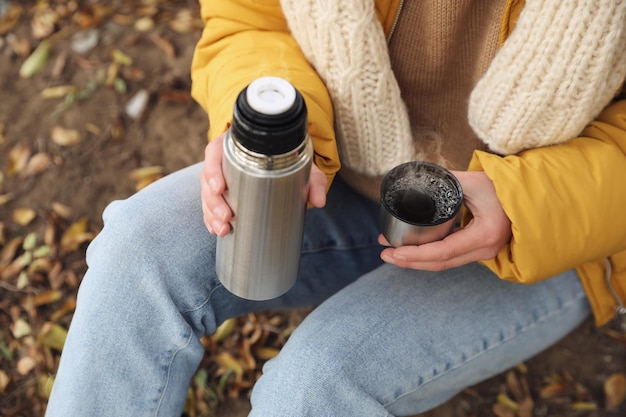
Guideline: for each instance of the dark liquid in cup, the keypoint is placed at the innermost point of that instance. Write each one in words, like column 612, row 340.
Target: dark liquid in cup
column 414, row 206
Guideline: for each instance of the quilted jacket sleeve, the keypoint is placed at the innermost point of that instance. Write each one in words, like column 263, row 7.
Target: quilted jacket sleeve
column 246, row 39
column 566, row 202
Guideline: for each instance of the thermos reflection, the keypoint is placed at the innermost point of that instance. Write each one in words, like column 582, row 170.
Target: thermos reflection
column 266, row 164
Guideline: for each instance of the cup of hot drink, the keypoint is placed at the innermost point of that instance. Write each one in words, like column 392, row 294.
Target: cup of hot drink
column 419, row 202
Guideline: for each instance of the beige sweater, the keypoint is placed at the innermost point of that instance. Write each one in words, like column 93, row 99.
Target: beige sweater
column 558, row 69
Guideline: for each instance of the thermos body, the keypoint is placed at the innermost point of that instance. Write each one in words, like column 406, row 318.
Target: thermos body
column 267, row 193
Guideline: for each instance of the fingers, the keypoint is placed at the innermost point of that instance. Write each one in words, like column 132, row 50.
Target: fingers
column 317, row 187
column 464, row 246
column 483, row 238
column 216, row 212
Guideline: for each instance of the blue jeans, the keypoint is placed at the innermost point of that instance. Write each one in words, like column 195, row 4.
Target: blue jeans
column 383, row 341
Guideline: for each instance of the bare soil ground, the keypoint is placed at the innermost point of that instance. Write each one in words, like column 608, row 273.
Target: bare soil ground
column 68, row 148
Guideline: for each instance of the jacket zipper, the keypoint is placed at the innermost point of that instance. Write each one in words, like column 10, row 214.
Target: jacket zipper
column 620, row 308
column 395, row 21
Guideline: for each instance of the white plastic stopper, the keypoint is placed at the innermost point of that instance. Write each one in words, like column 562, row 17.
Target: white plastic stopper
column 271, row 95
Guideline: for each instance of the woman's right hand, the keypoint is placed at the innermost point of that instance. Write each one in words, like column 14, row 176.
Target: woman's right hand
column 217, row 213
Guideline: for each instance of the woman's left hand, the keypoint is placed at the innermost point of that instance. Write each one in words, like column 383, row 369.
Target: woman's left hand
column 481, row 239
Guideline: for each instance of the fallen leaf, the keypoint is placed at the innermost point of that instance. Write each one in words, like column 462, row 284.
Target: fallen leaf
column 584, row 406
column 43, row 22
column 5, row 198
column 266, row 353
column 185, row 21
column 145, row 176
column 44, row 385
column 52, row 335
column 225, row 329
column 144, row 24
column 25, row 365
column 66, row 308
column 23, row 216
column 615, row 390
column 21, row 328
column 4, row 381
column 65, row 137
column 65, row 212
column 163, row 44
column 45, row 297
column 36, row 61
column 501, row 410
column 9, row 250
column 10, row 18
column 18, row 158
column 59, row 91
column 85, row 41
column 75, row 235
column 30, row 241
column 15, row 267
column 121, row 58
column 552, row 390
column 37, row 164
column 137, row 104
column 507, row 402
column 227, row 361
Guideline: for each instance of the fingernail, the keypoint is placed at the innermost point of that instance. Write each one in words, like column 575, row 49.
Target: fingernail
column 219, row 212
column 214, row 185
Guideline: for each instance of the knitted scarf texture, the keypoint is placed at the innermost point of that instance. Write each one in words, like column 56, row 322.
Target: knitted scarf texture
column 561, row 65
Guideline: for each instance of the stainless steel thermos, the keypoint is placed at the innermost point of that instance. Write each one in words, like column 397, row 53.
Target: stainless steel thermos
column 266, row 164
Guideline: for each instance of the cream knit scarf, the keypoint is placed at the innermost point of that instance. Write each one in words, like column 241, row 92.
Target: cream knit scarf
column 558, row 69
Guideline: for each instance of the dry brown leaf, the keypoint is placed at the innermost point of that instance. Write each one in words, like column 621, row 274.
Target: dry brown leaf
column 43, row 22
column 553, row 390
column 5, row 198
column 65, row 137
column 18, row 158
column 59, row 91
column 144, row 24
column 185, row 21
column 25, row 365
column 145, row 176
column 11, row 18
column 43, row 298
column 52, row 335
column 266, row 353
column 506, row 401
column 24, row 216
column 75, row 235
column 9, row 251
column 44, row 385
column 501, row 410
column 225, row 329
column 615, row 390
column 4, row 236
column 65, row 212
column 584, row 406
column 4, row 381
column 163, row 44
column 15, row 267
column 66, row 308
column 20, row 328
column 121, row 58
column 246, row 356
column 37, row 164
column 227, row 361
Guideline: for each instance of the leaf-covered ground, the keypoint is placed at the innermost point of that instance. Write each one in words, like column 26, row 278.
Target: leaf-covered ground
column 94, row 105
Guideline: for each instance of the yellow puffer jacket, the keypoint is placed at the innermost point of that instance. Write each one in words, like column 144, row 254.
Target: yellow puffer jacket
column 566, row 202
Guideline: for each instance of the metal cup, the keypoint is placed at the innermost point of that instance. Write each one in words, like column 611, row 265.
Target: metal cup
column 419, row 202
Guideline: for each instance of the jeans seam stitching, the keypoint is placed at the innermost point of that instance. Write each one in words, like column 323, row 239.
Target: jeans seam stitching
column 169, row 370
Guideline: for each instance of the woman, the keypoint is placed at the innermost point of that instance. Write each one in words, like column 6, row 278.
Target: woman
column 525, row 95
